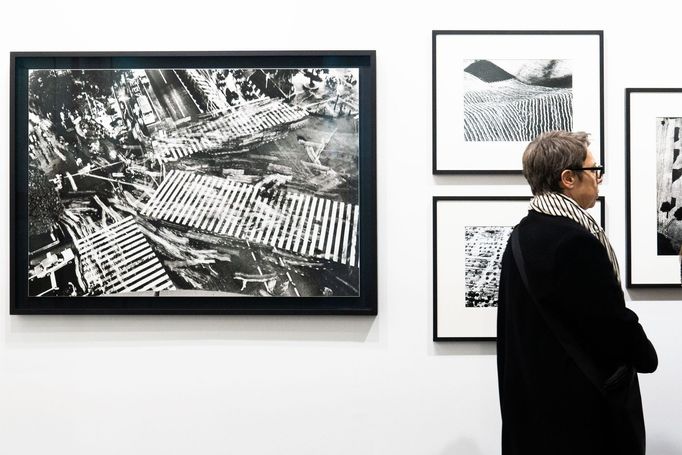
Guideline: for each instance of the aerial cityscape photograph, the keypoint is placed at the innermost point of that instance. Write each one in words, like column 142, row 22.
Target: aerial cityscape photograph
column 225, row 182
column 483, row 249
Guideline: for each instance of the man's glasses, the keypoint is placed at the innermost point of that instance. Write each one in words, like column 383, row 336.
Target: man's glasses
column 598, row 170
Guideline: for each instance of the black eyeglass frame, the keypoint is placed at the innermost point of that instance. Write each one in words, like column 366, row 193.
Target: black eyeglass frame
column 600, row 170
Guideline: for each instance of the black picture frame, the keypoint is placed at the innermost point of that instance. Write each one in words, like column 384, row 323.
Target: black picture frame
column 653, row 140
column 456, row 149
column 316, row 66
column 453, row 319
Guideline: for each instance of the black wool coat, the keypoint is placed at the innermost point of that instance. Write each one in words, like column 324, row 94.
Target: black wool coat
column 548, row 404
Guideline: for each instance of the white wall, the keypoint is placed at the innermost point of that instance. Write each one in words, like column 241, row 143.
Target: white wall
column 314, row 385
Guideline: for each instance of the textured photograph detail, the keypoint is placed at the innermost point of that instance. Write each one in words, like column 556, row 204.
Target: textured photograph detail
column 226, row 182
column 483, row 250
column 669, row 185
column 516, row 99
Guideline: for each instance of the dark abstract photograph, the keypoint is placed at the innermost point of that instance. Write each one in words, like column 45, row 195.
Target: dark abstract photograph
column 483, row 250
column 669, row 185
column 516, row 99
column 226, row 182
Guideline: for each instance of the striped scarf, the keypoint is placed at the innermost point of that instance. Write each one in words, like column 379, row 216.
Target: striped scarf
column 556, row 204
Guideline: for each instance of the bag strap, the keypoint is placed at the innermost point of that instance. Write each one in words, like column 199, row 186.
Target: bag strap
column 580, row 359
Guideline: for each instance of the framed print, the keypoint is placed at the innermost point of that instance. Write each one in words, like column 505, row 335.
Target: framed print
column 469, row 237
column 193, row 183
column 494, row 91
column 654, row 187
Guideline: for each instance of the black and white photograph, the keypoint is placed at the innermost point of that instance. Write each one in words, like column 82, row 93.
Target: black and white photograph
column 669, row 185
column 470, row 234
column 653, row 187
column 483, row 248
column 515, row 100
column 495, row 91
column 212, row 182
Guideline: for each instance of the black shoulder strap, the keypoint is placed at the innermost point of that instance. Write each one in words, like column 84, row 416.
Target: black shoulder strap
column 580, row 359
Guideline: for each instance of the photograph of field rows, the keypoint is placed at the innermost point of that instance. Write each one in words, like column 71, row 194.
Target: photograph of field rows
column 515, row 100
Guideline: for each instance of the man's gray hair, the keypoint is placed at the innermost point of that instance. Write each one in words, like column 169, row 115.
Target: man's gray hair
column 549, row 154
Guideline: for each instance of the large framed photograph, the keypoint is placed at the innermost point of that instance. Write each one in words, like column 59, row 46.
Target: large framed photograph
column 193, row 183
column 469, row 237
column 494, row 91
column 654, row 186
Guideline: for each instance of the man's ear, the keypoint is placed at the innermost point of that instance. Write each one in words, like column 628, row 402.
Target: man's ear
column 568, row 179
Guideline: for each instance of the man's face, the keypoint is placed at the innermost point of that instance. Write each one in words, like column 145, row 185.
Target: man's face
column 586, row 188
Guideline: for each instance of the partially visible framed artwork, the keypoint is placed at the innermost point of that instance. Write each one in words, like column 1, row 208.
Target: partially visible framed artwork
column 494, row 91
column 193, row 183
column 654, row 186
column 469, row 237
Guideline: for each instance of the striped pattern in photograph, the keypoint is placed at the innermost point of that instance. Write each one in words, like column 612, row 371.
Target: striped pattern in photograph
column 299, row 223
column 252, row 118
column 513, row 111
column 118, row 259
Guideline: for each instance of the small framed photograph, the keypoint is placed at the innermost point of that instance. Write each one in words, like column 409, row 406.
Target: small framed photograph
column 494, row 91
column 469, row 237
column 654, row 186
column 193, row 183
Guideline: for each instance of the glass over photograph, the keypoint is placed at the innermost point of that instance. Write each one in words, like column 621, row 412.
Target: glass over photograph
column 470, row 235
column 653, row 126
column 493, row 91
column 226, row 182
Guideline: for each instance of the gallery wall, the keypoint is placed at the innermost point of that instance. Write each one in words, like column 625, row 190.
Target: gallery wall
column 312, row 385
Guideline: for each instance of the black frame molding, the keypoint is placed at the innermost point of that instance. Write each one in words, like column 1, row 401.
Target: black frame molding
column 435, row 201
column 363, row 304
column 434, row 35
column 628, row 189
